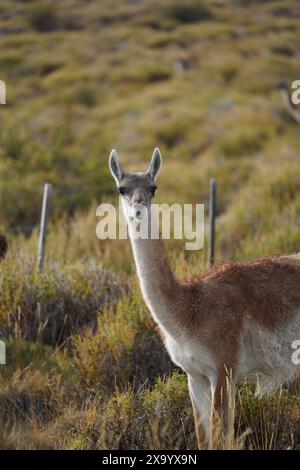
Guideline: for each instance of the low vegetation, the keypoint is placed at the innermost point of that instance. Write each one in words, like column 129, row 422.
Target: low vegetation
column 86, row 368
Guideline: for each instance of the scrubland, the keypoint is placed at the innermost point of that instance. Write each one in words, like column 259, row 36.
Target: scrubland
column 86, row 368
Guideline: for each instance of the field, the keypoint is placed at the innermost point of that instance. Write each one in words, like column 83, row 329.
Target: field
column 86, row 368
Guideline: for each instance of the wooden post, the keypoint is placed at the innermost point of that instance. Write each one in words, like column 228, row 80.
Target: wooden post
column 2, row 352
column 212, row 220
column 43, row 226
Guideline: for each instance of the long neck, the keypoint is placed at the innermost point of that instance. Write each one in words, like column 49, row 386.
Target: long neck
column 159, row 287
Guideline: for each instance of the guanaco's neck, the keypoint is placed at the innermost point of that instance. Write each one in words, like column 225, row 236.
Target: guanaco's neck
column 158, row 285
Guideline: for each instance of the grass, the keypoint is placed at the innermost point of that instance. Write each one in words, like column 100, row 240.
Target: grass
column 43, row 17
column 190, row 12
column 86, row 368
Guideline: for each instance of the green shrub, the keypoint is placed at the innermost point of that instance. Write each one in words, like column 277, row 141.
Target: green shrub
column 242, row 143
column 51, row 306
column 144, row 72
column 128, row 421
column 283, row 49
column 42, row 17
column 189, row 12
column 266, row 422
column 87, row 96
column 264, row 220
column 124, row 352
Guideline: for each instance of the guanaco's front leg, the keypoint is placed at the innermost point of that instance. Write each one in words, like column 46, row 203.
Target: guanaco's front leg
column 200, row 394
column 222, row 410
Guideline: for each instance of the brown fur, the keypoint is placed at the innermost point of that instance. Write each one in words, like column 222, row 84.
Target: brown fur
column 219, row 411
column 213, row 310
column 267, row 291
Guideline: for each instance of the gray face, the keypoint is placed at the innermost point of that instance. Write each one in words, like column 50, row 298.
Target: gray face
column 136, row 189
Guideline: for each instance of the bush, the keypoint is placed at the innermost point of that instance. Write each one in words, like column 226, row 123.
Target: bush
column 239, row 144
column 86, row 96
column 264, row 219
column 189, row 12
column 138, row 420
column 268, row 422
column 144, row 72
column 43, row 18
column 124, row 352
column 51, row 306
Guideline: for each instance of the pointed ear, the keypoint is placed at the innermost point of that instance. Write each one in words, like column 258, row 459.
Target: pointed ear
column 115, row 167
column 155, row 164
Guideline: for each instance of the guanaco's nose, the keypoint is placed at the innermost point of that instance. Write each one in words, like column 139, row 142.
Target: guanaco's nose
column 138, row 197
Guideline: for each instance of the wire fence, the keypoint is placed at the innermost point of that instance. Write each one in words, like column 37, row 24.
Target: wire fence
column 26, row 229
column 37, row 193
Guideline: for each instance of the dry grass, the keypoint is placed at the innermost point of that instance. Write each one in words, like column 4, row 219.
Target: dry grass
column 102, row 379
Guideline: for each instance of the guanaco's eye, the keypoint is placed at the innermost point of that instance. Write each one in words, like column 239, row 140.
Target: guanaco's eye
column 122, row 190
column 152, row 190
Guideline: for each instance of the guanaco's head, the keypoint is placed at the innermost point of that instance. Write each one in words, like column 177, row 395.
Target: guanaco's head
column 137, row 190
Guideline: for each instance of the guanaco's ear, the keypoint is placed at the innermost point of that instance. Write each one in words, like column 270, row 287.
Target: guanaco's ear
column 115, row 167
column 155, row 164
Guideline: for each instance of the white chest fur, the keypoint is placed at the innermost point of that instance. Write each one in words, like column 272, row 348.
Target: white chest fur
column 192, row 357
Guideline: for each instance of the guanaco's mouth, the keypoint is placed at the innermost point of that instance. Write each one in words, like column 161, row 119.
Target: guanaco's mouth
column 139, row 216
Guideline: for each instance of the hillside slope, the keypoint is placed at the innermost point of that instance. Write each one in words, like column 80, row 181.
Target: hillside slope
column 85, row 366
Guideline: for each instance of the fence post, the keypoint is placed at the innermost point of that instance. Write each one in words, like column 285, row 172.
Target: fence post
column 212, row 220
column 43, row 226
